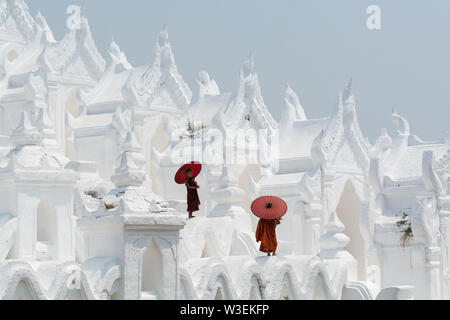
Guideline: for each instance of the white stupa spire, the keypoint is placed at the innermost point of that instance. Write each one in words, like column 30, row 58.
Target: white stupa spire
column 130, row 169
column 333, row 242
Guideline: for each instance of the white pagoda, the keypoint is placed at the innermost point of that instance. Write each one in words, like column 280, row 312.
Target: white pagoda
column 89, row 146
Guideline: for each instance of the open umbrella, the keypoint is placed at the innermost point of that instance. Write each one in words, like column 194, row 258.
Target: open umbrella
column 269, row 207
column 180, row 176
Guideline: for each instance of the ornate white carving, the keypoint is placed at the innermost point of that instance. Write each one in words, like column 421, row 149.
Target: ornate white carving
column 207, row 85
column 25, row 23
column 293, row 110
column 249, row 106
column 429, row 216
column 431, row 178
column 26, row 133
column 129, row 172
column 60, row 55
column 147, row 87
column 342, row 125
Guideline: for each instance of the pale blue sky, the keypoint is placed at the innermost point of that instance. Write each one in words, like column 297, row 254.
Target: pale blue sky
column 315, row 46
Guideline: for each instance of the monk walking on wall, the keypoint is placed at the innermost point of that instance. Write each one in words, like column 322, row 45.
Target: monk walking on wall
column 269, row 209
column 186, row 175
column 266, row 234
column 193, row 200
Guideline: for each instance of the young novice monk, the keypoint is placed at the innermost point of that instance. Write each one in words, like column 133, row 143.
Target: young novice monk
column 192, row 196
column 265, row 232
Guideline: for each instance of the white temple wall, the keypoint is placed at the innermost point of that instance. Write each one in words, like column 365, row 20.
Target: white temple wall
column 46, row 228
column 143, row 246
column 99, row 145
column 71, row 101
column 152, row 273
column 291, row 229
column 253, row 171
column 29, row 210
column 104, row 240
column 62, row 98
column 2, row 120
column 403, row 267
column 8, row 204
column 11, row 115
column 159, row 141
column 57, row 111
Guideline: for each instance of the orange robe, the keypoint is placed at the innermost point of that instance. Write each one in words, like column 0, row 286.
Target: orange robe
column 265, row 232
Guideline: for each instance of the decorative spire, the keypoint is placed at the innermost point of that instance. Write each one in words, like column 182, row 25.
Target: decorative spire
column 249, row 65
column 26, row 133
column 333, row 242
column 118, row 57
column 161, row 83
column 228, row 196
column 129, row 172
column 347, row 92
column 207, row 85
column 249, row 103
column 42, row 22
column 401, row 124
column 163, row 37
column 293, row 110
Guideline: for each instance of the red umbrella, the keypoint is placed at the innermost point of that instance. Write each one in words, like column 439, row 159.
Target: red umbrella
column 269, row 207
column 180, row 176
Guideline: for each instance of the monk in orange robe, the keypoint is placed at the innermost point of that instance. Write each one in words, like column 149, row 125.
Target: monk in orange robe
column 193, row 200
column 265, row 232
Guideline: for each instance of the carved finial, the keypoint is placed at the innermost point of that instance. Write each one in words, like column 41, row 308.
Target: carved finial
column 347, row 92
column 333, row 242
column 129, row 172
column 207, row 85
column 400, row 123
column 118, row 57
column 293, row 108
column 163, row 36
column 349, row 84
column 249, row 65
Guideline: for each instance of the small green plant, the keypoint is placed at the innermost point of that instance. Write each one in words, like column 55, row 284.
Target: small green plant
column 192, row 128
column 405, row 228
column 109, row 206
